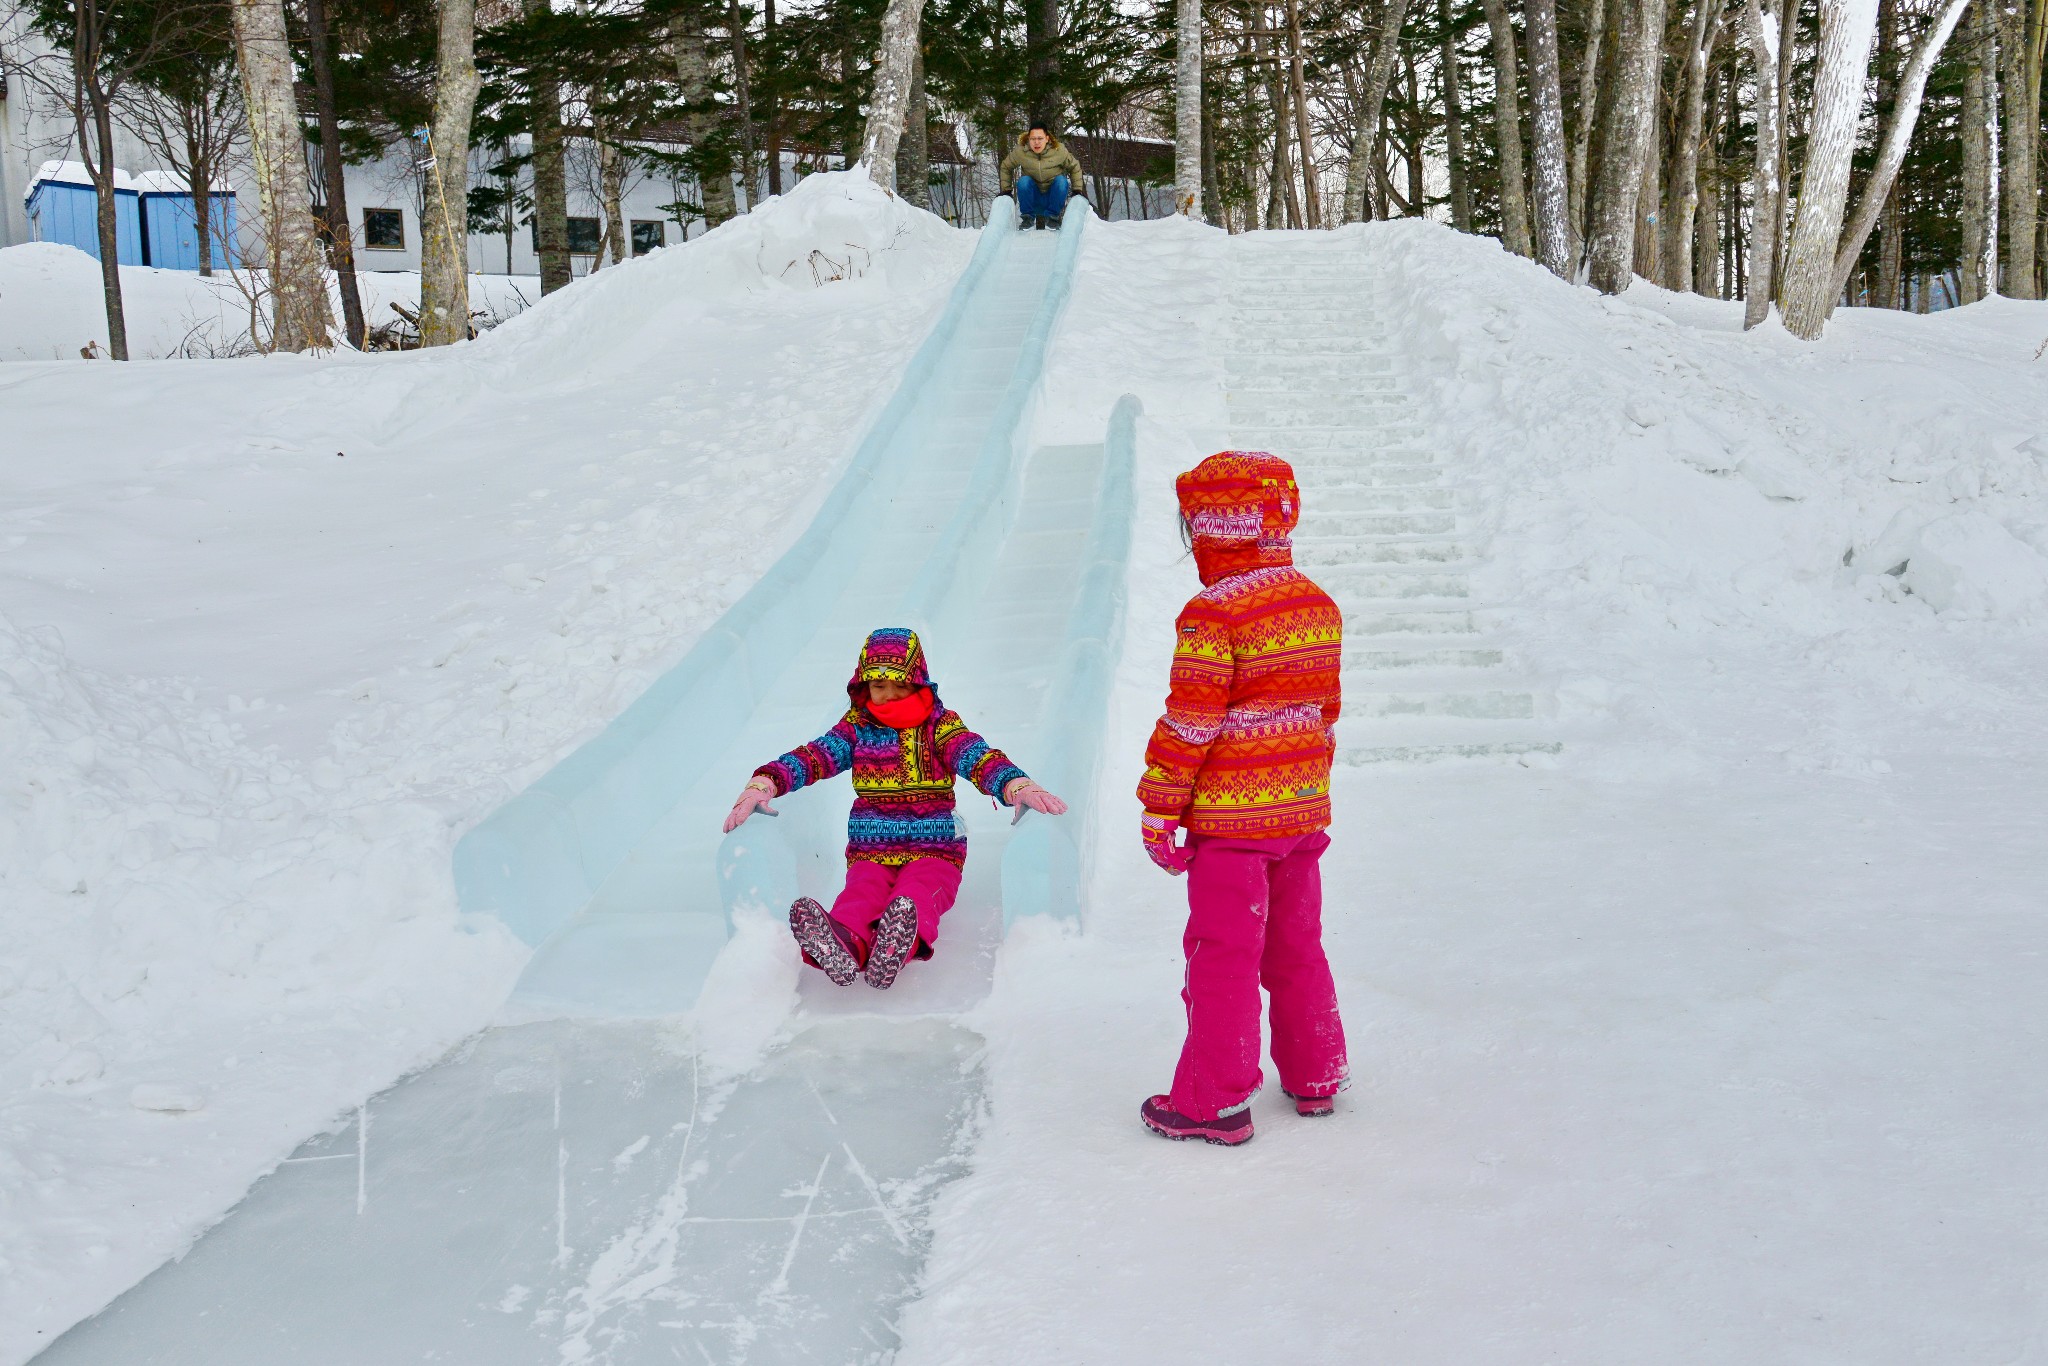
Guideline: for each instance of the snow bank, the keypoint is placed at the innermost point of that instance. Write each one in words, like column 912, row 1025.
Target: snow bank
column 278, row 629
column 51, row 307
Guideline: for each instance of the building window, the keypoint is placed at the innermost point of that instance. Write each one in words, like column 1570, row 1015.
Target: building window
column 384, row 229
column 583, row 237
column 648, row 235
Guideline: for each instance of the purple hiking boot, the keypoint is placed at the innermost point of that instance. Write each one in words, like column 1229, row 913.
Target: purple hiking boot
column 895, row 937
column 825, row 941
column 1228, row 1130
column 1312, row 1107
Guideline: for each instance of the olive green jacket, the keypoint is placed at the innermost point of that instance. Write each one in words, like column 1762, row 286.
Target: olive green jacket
column 1055, row 160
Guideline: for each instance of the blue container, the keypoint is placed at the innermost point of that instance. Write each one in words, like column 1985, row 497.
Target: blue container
column 62, row 211
column 170, row 230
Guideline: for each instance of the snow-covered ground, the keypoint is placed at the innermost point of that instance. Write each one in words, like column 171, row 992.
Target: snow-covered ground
column 1716, row 1039
column 1719, row 1039
column 51, row 307
column 274, row 631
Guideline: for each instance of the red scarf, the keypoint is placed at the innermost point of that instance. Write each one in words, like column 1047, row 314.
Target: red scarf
column 904, row 712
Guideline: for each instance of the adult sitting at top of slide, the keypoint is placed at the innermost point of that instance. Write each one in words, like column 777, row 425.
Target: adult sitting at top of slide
column 1043, row 173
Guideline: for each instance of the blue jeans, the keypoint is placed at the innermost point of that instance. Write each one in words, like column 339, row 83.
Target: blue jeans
column 1035, row 201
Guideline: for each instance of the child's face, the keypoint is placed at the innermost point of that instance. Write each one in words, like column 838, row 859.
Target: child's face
column 888, row 690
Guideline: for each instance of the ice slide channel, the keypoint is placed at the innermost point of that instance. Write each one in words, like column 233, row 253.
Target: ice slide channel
column 579, row 1188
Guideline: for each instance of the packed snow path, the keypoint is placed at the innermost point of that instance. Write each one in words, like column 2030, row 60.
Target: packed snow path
column 1313, row 378
column 623, row 1191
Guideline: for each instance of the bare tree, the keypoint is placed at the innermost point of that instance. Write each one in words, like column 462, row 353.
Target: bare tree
column 301, row 318
column 1454, row 121
column 1578, row 186
column 1385, row 52
column 195, row 123
column 1684, row 188
column 550, row 170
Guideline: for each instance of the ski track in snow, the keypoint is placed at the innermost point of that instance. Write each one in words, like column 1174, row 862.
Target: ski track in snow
column 274, row 631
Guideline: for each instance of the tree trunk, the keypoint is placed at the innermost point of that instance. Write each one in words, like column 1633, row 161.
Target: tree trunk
column 1454, row 124
column 1980, row 205
column 895, row 69
column 1211, row 202
column 341, row 239
column 1807, row 291
column 1706, row 237
column 1683, row 191
column 1651, row 197
column 1507, row 119
column 1891, row 154
column 611, row 191
column 199, row 177
column 1297, row 82
column 92, row 106
column 1764, row 33
column 743, row 103
column 550, row 173
column 1547, row 144
column 772, row 125
column 709, row 157
column 1625, row 139
column 301, row 319
column 1889, row 220
column 1578, row 187
column 1365, row 129
column 1042, row 56
column 1189, row 125
column 444, row 226
column 1277, row 97
column 914, row 157
column 2020, row 45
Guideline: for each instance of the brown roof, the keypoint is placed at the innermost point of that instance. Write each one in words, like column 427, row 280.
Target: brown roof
column 1122, row 158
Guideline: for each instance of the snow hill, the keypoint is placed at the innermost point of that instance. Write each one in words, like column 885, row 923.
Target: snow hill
column 274, row 631
column 1713, row 1039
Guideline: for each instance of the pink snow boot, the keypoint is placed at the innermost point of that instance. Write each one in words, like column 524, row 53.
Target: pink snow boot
column 826, row 943
column 1167, row 1122
column 1312, row 1107
column 895, row 937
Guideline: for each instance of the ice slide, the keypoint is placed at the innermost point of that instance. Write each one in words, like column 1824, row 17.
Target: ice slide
column 579, row 1187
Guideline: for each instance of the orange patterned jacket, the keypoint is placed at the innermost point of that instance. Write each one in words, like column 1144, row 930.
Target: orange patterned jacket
column 1244, row 748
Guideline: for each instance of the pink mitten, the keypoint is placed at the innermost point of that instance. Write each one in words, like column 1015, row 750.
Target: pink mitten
column 1160, row 847
column 1026, row 795
column 753, row 797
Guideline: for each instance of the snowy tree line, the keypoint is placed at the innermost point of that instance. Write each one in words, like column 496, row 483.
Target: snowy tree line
column 1798, row 154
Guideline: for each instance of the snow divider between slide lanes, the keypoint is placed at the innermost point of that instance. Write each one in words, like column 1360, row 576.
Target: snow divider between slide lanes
column 1045, row 867
column 535, row 861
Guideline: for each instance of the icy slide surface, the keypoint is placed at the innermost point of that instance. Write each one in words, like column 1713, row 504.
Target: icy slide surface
column 581, row 1185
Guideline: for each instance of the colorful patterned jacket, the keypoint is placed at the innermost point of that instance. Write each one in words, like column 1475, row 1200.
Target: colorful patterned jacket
column 902, row 779
column 1244, row 748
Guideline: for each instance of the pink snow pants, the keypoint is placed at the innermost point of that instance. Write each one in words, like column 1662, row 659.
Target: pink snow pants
column 1255, row 918
column 930, row 883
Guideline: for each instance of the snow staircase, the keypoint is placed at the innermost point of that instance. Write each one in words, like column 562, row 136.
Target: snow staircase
column 1387, row 530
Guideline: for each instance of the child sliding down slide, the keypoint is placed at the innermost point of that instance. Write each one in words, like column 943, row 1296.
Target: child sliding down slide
column 1241, row 760
column 904, row 852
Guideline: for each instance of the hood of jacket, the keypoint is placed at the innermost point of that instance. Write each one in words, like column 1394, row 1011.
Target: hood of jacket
column 1241, row 509
column 893, row 653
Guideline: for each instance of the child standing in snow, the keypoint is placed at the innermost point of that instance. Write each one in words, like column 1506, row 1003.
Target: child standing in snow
column 1241, row 760
column 904, row 852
